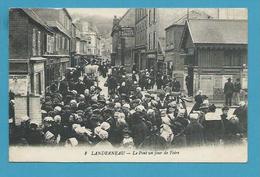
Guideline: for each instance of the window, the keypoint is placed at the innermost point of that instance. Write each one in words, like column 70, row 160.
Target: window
column 39, row 43
column 68, row 44
column 57, row 42
column 52, row 44
column 154, row 15
column 32, row 82
column 233, row 58
column 34, row 42
column 149, row 41
column 60, row 41
column 154, row 40
column 150, row 13
column 48, row 44
column 65, row 43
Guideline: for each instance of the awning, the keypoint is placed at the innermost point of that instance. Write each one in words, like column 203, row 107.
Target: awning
column 58, row 56
column 38, row 59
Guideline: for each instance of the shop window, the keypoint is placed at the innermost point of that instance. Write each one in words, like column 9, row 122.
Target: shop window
column 38, row 86
column 32, row 83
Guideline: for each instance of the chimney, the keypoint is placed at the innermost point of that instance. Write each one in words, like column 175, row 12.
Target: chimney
column 115, row 21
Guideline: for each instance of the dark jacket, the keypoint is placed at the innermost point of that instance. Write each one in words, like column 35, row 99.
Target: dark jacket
column 194, row 134
column 228, row 88
column 176, row 86
column 237, row 87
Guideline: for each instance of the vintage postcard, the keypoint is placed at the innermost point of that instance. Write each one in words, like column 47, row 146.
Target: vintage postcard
column 128, row 85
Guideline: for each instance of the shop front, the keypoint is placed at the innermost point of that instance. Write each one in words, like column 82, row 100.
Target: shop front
column 212, row 80
column 151, row 61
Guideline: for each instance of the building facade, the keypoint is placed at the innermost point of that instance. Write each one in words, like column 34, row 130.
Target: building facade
column 173, row 58
column 215, row 50
column 140, row 59
column 123, row 40
column 30, row 38
column 61, row 23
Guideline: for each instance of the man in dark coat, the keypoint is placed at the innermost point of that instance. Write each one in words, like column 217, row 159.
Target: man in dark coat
column 139, row 128
column 111, row 84
column 154, row 140
column 63, row 88
column 188, row 81
column 88, row 82
column 176, row 86
column 194, row 131
column 241, row 113
column 228, row 91
column 159, row 81
column 198, row 101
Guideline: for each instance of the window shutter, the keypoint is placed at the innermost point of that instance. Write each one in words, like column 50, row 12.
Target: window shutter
column 34, row 42
column 39, row 43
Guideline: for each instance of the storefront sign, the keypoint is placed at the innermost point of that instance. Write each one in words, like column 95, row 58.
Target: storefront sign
column 38, row 67
column 151, row 56
column 62, row 60
column 127, row 31
column 18, row 84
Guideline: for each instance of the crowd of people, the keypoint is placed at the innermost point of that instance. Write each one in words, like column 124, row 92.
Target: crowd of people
column 133, row 115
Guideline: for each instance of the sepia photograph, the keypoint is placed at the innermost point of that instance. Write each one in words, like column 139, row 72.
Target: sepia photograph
column 128, row 84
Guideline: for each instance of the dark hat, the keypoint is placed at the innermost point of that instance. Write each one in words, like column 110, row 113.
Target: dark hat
column 96, row 111
column 103, row 101
column 66, row 107
column 148, row 95
column 98, row 88
column 225, row 108
column 88, row 109
column 229, row 79
column 108, row 110
column 132, row 97
column 94, row 106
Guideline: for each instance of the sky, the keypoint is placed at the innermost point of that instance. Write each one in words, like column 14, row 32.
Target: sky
column 105, row 12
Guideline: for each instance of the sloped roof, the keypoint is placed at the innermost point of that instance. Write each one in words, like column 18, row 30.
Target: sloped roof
column 36, row 18
column 215, row 31
column 194, row 14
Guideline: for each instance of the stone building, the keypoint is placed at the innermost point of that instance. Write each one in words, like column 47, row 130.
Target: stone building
column 123, row 38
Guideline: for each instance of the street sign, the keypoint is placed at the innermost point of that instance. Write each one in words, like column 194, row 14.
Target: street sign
column 127, row 32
